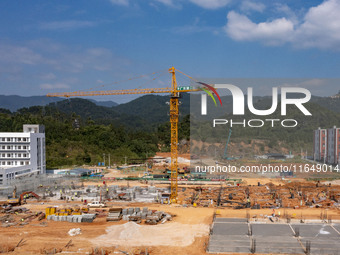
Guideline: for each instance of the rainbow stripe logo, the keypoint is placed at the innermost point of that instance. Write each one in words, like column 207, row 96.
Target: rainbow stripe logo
column 208, row 89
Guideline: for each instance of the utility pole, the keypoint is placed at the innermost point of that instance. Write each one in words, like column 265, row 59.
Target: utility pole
column 125, row 159
column 104, row 158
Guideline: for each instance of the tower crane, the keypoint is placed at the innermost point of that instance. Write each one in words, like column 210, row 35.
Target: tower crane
column 174, row 112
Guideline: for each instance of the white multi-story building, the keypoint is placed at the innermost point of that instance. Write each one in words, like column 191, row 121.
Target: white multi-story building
column 23, row 153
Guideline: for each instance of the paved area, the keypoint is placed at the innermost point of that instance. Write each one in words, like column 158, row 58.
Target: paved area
column 230, row 235
column 231, row 220
column 230, row 229
column 324, row 238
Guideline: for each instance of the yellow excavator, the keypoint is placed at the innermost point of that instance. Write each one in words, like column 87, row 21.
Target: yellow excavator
column 18, row 201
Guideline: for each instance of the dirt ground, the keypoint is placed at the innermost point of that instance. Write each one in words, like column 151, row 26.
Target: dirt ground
column 46, row 235
column 187, row 233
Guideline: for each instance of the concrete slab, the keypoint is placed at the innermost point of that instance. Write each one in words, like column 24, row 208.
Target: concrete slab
column 277, row 241
column 316, row 230
column 229, row 235
column 230, row 229
column 322, row 245
column 229, row 238
column 337, row 227
column 230, row 220
column 278, row 250
column 230, row 244
column 278, row 244
column 217, row 249
column 271, row 230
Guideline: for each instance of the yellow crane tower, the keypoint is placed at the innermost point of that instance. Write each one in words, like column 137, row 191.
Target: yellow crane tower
column 174, row 105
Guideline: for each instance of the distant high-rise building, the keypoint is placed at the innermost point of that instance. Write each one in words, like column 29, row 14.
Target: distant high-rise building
column 22, row 153
column 320, row 144
column 327, row 145
column 333, row 145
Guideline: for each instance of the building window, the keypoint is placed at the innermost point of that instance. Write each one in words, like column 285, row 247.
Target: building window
column 22, row 163
column 3, row 139
column 8, row 139
column 24, row 147
column 19, row 147
column 3, row 163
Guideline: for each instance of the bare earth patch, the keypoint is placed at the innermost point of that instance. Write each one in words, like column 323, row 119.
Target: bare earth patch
column 132, row 234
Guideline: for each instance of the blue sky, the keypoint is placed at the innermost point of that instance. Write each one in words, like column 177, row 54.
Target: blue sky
column 55, row 46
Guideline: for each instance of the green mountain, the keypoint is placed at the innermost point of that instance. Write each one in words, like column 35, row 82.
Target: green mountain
column 13, row 102
column 79, row 131
column 153, row 108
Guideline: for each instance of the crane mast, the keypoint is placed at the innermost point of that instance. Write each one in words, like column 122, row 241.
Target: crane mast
column 174, row 134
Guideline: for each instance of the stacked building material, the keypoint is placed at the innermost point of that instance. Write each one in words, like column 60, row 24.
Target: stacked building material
column 157, row 217
column 73, row 218
column 115, row 214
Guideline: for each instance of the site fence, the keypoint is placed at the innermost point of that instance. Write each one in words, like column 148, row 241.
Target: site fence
column 36, row 183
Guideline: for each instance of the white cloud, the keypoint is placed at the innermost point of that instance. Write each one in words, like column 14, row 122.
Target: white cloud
column 67, row 25
column 120, row 2
column 240, row 28
column 166, row 2
column 19, row 55
column 247, row 6
column 59, row 66
column 54, row 86
column 177, row 4
column 48, row 76
column 320, row 28
column 211, row 4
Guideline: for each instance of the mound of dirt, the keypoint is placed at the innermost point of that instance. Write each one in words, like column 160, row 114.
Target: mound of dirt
column 132, row 234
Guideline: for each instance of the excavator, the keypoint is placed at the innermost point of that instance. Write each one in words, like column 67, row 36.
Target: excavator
column 18, row 201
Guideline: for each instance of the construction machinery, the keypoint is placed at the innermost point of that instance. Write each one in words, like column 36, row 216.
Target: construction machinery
column 225, row 155
column 18, row 201
column 174, row 91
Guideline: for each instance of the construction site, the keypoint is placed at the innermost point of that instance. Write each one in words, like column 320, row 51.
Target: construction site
column 164, row 206
column 123, row 216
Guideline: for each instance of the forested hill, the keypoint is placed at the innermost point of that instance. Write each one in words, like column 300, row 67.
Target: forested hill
column 79, row 131
column 75, row 140
column 13, row 102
